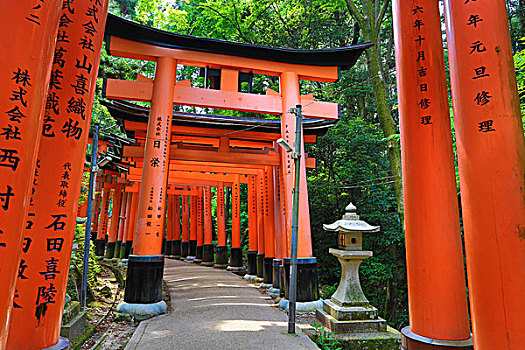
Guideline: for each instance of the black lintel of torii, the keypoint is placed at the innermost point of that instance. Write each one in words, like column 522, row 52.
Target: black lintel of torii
column 342, row 57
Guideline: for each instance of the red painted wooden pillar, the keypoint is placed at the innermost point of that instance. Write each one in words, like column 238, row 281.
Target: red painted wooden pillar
column 252, row 225
column 132, row 229
column 170, row 224
column 100, row 242
column 193, row 225
column 207, row 249
column 176, row 243
column 260, row 224
column 28, row 40
column 279, row 249
column 61, row 156
column 185, row 244
column 491, row 159
column 221, row 258
column 236, row 250
column 147, row 259
column 290, row 98
column 122, row 223
column 436, row 282
column 127, row 224
column 114, row 227
column 269, row 227
column 200, row 225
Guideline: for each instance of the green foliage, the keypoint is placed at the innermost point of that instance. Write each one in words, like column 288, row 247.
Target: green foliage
column 323, row 340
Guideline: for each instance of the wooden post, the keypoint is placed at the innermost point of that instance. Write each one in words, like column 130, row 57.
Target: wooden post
column 127, row 225
column 269, row 234
column 207, row 250
column 221, row 250
column 291, row 97
column 200, row 226
column 113, row 230
column 260, row 224
column 491, row 159
column 436, row 282
column 252, row 226
column 147, row 258
column 122, row 224
column 176, row 243
column 193, row 226
column 100, row 242
column 185, row 244
column 236, row 249
column 28, row 40
column 61, row 155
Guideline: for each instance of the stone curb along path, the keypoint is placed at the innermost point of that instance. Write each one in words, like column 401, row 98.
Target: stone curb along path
column 215, row 309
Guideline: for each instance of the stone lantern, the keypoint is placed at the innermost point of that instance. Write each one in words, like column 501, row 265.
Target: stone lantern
column 348, row 311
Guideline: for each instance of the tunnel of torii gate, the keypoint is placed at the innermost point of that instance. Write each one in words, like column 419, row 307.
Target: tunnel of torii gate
column 217, row 151
column 179, row 157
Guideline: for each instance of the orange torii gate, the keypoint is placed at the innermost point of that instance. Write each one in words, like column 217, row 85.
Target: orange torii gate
column 131, row 40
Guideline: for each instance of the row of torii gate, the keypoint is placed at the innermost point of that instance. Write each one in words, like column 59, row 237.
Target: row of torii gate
column 208, row 152
column 49, row 63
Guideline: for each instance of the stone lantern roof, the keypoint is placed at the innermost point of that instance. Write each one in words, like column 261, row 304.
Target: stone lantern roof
column 350, row 222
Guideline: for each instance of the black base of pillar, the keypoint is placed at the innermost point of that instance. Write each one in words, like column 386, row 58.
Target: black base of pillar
column 260, row 265
column 276, row 266
column 252, row 262
column 122, row 253
column 412, row 341
column 184, row 250
column 110, row 250
column 307, row 282
column 268, row 270
column 100, row 247
column 198, row 253
column 282, row 281
column 144, row 279
column 94, row 235
column 236, row 257
column 207, row 254
column 129, row 249
column 193, row 248
column 221, row 256
column 163, row 249
column 176, row 247
column 169, row 248
column 116, row 252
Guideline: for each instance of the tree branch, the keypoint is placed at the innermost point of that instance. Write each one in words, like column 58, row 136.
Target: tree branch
column 380, row 17
column 355, row 12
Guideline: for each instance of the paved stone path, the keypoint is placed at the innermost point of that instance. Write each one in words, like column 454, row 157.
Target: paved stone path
column 215, row 309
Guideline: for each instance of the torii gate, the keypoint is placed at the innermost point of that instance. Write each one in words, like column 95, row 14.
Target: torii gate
column 131, row 40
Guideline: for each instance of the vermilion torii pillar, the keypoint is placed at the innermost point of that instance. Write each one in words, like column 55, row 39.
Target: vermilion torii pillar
column 170, row 212
column 113, row 230
column 127, row 225
column 236, row 264
column 221, row 257
column 252, row 226
column 491, row 159
column 200, row 226
column 61, row 153
column 28, row 35
column 132, row 224
column 96, row 210
column 185, row 243
column 260, row 228
column 145, row 266
column 176, row 244
column 280, row 236
column 207, row 251
column 122, row 224
column 269, row 225
column 192, row 250
column 100, row 242
column 436, row 283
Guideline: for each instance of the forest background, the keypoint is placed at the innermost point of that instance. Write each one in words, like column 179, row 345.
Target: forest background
column 358, row 160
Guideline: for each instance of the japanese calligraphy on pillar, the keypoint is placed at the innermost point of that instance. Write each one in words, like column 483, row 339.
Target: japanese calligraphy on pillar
column 28, row 35
column 64, row 133
column 480, row 65
column 424, row 69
